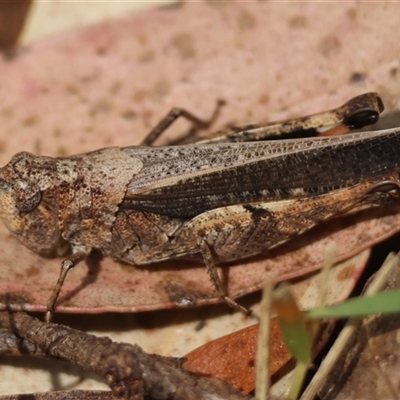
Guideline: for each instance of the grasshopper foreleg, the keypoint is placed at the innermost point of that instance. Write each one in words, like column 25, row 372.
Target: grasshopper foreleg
column 66, row 266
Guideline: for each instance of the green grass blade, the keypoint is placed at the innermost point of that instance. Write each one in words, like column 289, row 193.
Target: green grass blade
column 380, row 303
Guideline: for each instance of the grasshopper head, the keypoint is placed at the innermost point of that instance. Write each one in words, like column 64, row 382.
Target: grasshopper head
column 28, row 204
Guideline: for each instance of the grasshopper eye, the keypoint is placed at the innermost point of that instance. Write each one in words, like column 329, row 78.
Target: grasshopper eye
column 26, row 195
column 4, row 185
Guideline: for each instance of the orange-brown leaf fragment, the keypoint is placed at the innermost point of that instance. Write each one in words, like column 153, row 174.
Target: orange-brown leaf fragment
column 232, row 357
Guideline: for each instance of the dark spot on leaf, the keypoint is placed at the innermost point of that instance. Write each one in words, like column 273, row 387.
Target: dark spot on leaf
column 139, row 95
column 100, row 107
column 185, row 45
column 62, row 151
column 115, row 87
column 161, row 90
column 128, row 114
column 346, row 273
column 101, row 51
column 298, row 21
column 329, row 46
column 185, row 295
column 357, row 77
column 146, row 56
column 30, row 120
column 32, row 271
column 200, row 325
column 264, row 99
column 246, row 20
column 352, row 13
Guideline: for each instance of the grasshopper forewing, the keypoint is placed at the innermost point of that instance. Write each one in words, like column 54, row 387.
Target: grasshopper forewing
column 225, row 201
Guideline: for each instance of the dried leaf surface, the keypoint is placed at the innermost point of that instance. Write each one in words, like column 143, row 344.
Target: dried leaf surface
column 109, row 84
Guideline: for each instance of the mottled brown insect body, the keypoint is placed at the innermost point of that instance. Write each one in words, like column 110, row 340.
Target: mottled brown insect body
column 47, row 200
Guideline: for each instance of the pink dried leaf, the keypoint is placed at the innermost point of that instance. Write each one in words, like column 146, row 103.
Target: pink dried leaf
column 109, row 84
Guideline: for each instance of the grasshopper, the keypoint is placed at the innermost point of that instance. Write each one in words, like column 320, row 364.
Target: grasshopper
column 228, row 196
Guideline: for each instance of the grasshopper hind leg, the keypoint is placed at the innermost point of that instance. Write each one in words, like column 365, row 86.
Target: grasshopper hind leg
column 173, row 115
column 216, row 280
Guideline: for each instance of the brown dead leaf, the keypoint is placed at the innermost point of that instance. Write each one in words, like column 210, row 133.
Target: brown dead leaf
column 232, row 357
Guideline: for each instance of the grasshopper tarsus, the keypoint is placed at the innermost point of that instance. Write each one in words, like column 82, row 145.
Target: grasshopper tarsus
column 173, row 115
column 235, row 305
